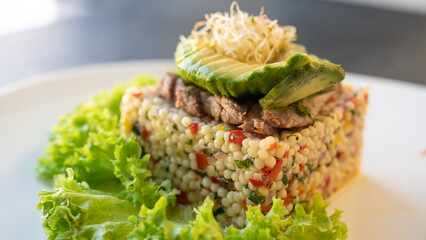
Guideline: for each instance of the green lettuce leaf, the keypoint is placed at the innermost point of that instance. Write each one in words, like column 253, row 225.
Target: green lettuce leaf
column 316, row 224
column 134, row 175
column 85, row 139
column 74, row 211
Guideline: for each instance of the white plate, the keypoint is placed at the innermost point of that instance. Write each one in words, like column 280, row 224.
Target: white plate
column 387, row 202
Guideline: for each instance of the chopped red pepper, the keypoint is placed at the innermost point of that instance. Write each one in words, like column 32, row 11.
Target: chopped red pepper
column 273, row 146
column 272, row 172
column 236, row 136
column 302, row 167
column 214, row 180
column 174, row 175
column 197, row 179
column 366, row 97
column 332, row 99
column 287, row 199
column 137, row 94
column 340, row 154
column 201, row 159
column 302, row 148
column 265, row 209
column 355, row 101
column 154, row 161
column 193, row 128
column 244, row 203
column 182, row 197
column 286, row 154
column 257, row 183
column 145, row 133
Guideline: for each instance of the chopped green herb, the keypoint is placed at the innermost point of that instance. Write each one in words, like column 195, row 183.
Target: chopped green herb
column 310, row 168
column 252, row 20
column 201, row 185
column 136, row 130
column 353, row 112
column 205, row 122
column 146, row 115
column 207, row 152
column 244, row 163
column 167, row 169
column 294, row 159
column 301, row 179
column 174, row 125
column 215, row 169
column 216, row 196
column 256, row 198
column 189, row 142
column 285, row 180
column 218, row 211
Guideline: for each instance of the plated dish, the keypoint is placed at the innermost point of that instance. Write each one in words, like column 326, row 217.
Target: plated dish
column 252, row 131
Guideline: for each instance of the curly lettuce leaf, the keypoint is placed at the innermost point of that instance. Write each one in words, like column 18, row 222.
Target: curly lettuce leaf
column 134, row 175
column 85, row 138
column 74, row 211
column 316, row 224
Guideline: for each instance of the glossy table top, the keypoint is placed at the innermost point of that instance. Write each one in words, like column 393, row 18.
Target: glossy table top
column 364, row 40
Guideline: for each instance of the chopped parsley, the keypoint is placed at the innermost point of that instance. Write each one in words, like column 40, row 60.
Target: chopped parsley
column 294, row 159
column 285, row 180
column 189, row 142
column 256, row 198
column 302, row 178
column 310, row 168
column 218, row 211
column 174, row 125
column 244, row 163
column 207, row 152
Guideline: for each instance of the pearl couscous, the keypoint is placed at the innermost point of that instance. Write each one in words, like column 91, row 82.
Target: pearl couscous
column 205, row 158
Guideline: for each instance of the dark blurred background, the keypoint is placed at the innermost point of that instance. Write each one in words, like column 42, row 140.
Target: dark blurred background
column 377, row 37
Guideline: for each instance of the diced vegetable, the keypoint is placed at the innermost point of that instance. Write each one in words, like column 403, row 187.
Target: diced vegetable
column 256, row 198
column 193, row 128
column 201, row 159
column 236, row 136
column 257, row 183
column 273, row 172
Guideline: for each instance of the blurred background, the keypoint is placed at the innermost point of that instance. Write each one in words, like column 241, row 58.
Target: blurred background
column 376, row 37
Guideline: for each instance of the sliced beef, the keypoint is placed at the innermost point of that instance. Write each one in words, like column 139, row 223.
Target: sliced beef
column 288, row 118
column 166, row 86
column 188, row 98
column 211, row 105
column 232, row 111
column 255, row 124
column 249, row 116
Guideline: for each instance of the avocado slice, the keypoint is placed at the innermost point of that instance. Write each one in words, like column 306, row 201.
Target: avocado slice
column 225, row 76
column 301, row 83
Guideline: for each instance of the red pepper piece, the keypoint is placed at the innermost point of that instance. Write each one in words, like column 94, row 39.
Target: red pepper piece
column 154, row 161
column 193, row 128
column 257, row 183
column 273, row 146
column 145, row 133
column 137, row 94
column 201, row 159
column 302, row 148
column 272, row 172
column 182, row 197
column 236, row 136
column 214, row 180
column 287, row 199
column 265, row 209
column 302, row 167
column 244, row 203
column 286, row 154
